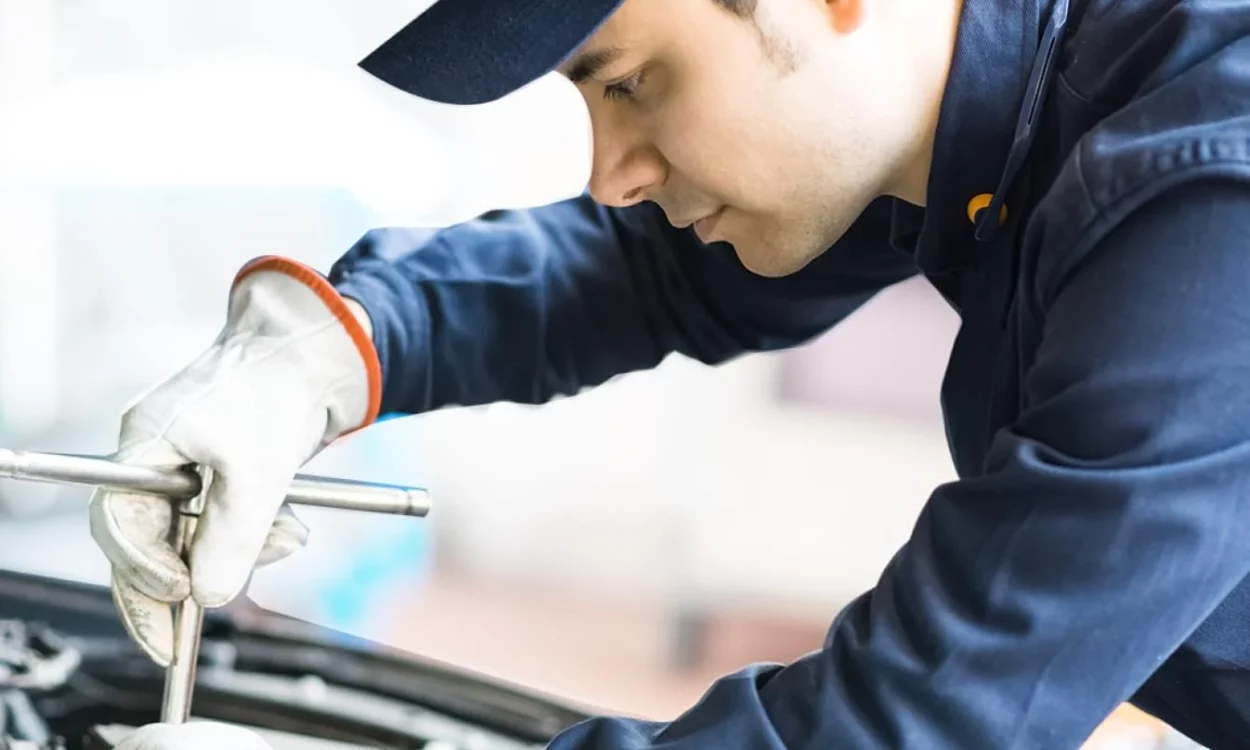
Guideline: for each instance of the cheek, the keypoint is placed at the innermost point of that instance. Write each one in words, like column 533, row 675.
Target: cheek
column 694, row 143
column 718, row 149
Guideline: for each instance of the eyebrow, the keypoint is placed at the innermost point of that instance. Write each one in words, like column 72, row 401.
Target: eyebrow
column 588, row 64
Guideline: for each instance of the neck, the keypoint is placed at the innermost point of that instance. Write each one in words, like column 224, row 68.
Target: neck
column 927, row 32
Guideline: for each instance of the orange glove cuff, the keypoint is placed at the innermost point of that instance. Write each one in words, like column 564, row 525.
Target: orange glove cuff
column 336, row 304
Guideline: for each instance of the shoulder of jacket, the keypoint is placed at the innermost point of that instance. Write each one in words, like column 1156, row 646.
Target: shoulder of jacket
column 1192, row 126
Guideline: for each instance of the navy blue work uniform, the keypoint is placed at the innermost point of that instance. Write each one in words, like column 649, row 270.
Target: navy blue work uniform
column 1089, row 218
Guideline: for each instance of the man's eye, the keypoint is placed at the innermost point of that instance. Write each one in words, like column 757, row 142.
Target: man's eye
column 623, row 89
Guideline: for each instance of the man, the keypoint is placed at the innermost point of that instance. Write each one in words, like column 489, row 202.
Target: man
column 1073, row 178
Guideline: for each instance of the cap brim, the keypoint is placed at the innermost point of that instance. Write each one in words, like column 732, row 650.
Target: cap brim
column 476, row 51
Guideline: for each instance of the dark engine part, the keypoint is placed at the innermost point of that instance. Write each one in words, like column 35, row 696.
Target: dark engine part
column 59, row 693
column 33, row 660
column 71, row 678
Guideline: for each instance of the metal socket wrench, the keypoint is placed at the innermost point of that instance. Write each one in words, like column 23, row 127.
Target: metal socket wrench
column 184, row 485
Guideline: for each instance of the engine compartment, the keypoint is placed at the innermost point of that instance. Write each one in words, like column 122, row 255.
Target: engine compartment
column 70, row 679
column 108, row 736
column 50, row 700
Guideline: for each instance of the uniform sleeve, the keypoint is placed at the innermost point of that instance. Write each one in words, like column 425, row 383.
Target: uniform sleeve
column 526, row 305
column 1032, row 600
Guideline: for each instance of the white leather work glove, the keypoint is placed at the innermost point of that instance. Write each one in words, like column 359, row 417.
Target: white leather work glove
column 194, row 735
column 292, row 369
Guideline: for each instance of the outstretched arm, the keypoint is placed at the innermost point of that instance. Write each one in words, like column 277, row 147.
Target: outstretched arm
column 526, row 305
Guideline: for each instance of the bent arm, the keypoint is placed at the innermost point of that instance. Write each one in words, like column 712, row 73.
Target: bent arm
column 527, row 305
column 1032, row 600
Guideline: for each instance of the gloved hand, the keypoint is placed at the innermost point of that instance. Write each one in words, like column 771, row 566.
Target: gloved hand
column 195, row 735
column 292, row 369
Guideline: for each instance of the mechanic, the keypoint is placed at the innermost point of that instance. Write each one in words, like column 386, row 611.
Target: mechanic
column 1073, row 176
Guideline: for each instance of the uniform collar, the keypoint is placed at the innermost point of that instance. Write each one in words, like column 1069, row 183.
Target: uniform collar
column 1000, row 67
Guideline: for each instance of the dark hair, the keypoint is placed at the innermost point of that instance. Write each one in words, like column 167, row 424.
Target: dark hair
column 740, row 8
column 780, row 50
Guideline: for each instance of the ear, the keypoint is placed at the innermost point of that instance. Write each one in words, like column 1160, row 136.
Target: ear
column 845, row 15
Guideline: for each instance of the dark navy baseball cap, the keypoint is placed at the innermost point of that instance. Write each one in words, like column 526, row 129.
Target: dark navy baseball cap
column 476, row 51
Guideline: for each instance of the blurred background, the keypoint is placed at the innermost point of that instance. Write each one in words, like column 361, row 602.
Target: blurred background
column 621, row 549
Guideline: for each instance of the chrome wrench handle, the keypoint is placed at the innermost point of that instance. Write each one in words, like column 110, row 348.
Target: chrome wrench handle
column 184, row 483
column 184, row 486
column 188, row 625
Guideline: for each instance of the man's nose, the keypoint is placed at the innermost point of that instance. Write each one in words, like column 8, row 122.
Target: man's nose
column 626, row 168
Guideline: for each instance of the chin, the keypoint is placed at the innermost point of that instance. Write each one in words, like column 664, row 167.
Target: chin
column 771, row 262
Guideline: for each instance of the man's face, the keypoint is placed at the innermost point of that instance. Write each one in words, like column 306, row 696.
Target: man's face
column 771, row 133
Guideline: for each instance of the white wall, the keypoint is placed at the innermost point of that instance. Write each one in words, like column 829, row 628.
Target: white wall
column 689, row 481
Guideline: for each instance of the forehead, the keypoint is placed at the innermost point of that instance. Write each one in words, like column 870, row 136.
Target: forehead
column 635, row 27
column 631, row 22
